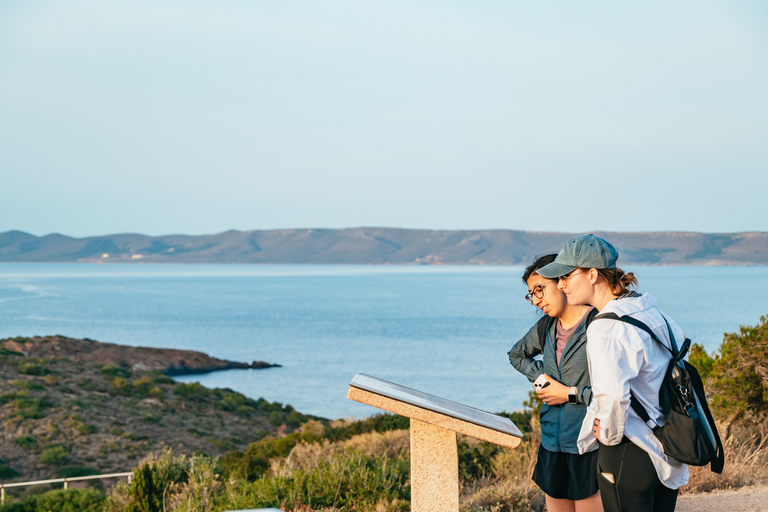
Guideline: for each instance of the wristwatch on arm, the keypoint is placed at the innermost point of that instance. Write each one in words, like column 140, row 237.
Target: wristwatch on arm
column 573, row 395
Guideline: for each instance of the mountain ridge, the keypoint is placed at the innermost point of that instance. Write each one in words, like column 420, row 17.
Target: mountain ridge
column 376, row 245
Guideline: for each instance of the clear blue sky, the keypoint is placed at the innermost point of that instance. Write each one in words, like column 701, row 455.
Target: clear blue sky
column 170, row 116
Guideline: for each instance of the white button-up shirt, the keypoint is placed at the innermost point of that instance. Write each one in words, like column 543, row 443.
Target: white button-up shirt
column 620, row 357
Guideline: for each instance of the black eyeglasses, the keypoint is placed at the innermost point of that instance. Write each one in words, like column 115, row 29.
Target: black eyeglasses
column 538, row 292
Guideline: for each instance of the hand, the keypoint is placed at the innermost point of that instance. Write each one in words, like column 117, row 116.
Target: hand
column 596, row 429
column 555, row 393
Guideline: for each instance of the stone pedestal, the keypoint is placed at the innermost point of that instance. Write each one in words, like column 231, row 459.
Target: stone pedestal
column 434, row 469
column 434, row 452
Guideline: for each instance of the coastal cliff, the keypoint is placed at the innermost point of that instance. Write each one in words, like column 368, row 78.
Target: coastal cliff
column 164, row 360
column 73, row 407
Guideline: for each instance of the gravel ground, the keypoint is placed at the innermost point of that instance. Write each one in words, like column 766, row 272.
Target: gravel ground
column 751, row 499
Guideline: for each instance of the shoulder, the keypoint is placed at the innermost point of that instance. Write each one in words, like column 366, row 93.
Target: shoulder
column 531, row 337
column 611, row 331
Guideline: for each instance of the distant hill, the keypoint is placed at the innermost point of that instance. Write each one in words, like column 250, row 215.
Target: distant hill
column 380, row 246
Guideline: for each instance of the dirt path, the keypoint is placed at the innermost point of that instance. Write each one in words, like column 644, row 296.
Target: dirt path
column 751, row 499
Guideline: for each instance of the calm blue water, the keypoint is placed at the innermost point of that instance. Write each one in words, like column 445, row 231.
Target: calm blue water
column 443, row 330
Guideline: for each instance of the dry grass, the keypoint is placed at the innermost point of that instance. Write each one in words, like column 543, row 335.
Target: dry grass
column 391, row 444
column 503, row 496
column 746, row 462
column 510, row 488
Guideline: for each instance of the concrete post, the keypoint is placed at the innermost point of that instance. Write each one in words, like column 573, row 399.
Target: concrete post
column 434, row 468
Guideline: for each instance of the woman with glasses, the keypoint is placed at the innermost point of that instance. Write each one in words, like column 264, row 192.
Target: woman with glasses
column 628, row 367
column 569, row 480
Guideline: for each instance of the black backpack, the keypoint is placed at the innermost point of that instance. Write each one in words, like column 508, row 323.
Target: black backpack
column 689, row 433
column 544, row 323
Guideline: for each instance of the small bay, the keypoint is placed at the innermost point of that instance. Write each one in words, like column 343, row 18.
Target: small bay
column 441, row 329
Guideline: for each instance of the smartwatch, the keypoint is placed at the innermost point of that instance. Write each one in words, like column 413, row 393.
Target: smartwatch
column 573, row 395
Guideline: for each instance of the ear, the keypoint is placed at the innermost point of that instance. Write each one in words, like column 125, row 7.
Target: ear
column 592, row 275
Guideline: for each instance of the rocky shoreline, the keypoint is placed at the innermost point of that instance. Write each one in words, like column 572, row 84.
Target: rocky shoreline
column 171, row 362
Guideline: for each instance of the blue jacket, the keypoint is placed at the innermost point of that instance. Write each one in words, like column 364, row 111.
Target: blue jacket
column 560, row 424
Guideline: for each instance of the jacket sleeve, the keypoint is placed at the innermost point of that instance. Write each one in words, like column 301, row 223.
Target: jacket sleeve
column 523, row 352
column 584, row 394
column 614, row 359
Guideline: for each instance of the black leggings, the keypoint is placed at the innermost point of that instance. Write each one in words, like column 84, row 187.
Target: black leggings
column 636, row 487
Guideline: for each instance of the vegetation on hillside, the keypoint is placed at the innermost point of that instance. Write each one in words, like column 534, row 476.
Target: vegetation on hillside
column 62, row 418
column 364, row 465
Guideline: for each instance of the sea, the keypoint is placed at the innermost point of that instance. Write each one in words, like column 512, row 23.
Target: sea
column 444, row 330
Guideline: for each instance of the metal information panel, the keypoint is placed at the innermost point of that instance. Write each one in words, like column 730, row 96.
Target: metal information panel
column 436, row 404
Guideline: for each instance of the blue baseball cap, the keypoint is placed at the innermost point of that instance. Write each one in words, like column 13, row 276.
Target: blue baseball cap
column 585, row 251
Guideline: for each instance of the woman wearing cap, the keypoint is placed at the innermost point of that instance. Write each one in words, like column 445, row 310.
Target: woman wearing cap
column 569, row 480
column 634, row 473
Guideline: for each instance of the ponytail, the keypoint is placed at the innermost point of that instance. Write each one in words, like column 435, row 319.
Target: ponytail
column 619, row 281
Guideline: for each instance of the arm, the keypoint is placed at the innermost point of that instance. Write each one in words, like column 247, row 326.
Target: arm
column 614, row 359
column 523, row 352
column 557, row 393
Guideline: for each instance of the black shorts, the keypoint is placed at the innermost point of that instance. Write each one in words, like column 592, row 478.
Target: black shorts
column 566, row 476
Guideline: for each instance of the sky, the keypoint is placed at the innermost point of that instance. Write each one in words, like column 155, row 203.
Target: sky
column 198, row 116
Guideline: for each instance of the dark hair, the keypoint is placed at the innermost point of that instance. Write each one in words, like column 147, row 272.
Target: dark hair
column 619, row 281
column 539, row 262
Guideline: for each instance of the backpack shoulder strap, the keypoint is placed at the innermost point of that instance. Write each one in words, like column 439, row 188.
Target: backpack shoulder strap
column 640, row 325
column 542, row 326
column 633, row 401
column 591, row 316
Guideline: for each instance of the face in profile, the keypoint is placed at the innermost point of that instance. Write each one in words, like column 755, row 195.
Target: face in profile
column 575, row 286
column 546, row 296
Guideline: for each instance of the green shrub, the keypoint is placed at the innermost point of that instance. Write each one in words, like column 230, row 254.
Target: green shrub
column 521, row 419
column 245, row 411
column 222, row 444
column 5, row 352
column 28, row 384
column 152, row 479
column 70, row 500
column 85, row 428
column 294, row 418
column 7, row 472
column 26, row 442
column 264, row 406
column 255, row 460
column 377, row 423
column 476, row 459
column 32, row 369
column 54, row 455
column 275, row 418
column 7, row 397
column 346, row 481
column 115, row 371
column 142, row 386
column 736, row 376
column 192, row 391
column 159, row 378
column 30, row 407
column 119, row 386
column 75, row 471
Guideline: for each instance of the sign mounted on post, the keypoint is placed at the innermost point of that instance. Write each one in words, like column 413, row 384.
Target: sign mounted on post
column 434, row 424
